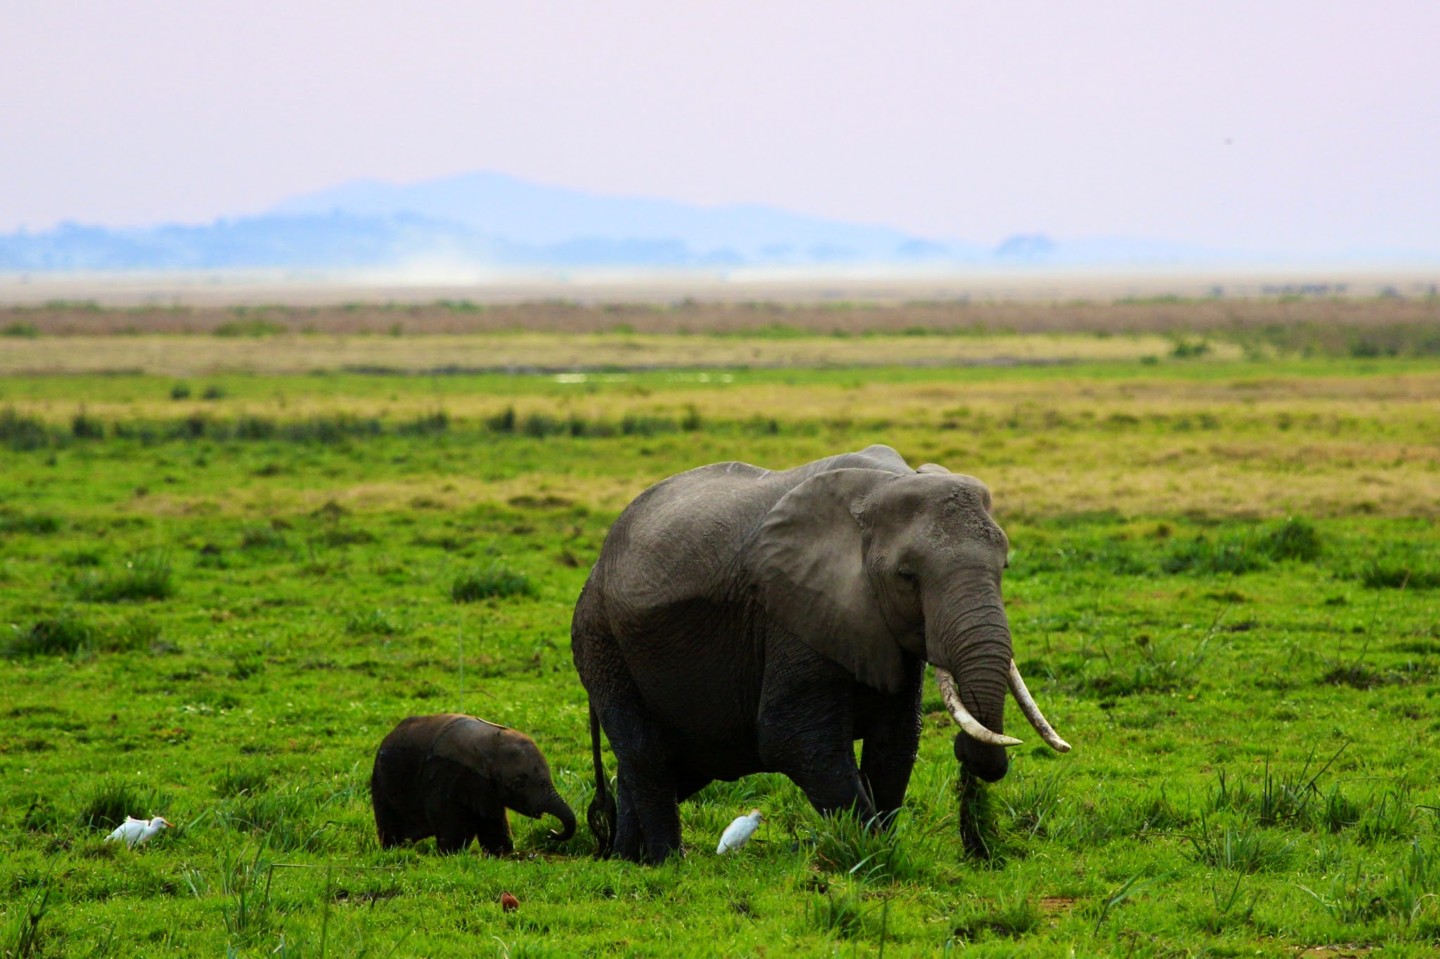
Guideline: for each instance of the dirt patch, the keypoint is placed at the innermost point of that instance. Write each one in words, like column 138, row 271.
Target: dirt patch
column 1056, row 905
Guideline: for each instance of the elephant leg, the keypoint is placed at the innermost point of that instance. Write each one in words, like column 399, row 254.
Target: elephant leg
column 389, row 825
column 806, row 729
column 891, row 731
column 446, row 813
column 494, row 835
column 649, row 815
column 453, row 839
column 629, row 837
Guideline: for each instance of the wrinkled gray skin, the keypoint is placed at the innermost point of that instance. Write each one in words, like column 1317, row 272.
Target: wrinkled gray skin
column 740, row 620
column 452, row 776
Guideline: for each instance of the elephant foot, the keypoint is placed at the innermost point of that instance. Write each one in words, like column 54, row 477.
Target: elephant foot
column 656, row 855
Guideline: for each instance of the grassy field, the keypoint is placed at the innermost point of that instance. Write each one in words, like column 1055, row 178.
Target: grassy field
column 221, row 586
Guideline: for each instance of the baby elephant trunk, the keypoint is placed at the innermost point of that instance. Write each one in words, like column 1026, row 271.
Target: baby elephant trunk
column 557, row 807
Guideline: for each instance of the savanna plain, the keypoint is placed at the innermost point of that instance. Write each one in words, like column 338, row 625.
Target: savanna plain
column 237, row 545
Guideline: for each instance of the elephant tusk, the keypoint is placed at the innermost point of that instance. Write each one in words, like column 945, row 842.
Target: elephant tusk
column 1032, row 711
column 972, row 726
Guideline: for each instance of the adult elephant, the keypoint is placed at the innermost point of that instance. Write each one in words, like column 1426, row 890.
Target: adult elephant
column 743, row 620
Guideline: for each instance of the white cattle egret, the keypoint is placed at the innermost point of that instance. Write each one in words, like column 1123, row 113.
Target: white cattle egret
column 135, row 831
column 738, row 833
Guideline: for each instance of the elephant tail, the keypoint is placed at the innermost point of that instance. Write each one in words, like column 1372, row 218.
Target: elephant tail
column 601, row 813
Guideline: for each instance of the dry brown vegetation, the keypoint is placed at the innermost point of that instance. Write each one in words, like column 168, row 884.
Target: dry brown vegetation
column 1146, row 315
column 183, row 355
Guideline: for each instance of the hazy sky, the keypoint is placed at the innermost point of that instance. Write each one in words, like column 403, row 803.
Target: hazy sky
column 1301, row 126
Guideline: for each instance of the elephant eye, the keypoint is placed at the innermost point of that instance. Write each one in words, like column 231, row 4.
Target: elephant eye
column 907, row 574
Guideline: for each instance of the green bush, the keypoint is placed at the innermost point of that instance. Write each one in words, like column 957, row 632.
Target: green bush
column 145, row 576
column 494, row 580
column 1205, row 556
column 60, row 635
column 1392, row 574
column 86, row 427
column 250, row 327
column 866, row 849
column 109, row 803
column 22, row 433
column 36, row 524
column 1294, row 539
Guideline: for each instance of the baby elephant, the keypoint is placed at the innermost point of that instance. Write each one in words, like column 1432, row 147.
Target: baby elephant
column 452, row 776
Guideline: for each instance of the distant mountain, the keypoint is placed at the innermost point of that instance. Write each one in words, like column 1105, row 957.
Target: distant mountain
column 546, row 217
column 491, row 220
column 335, row 241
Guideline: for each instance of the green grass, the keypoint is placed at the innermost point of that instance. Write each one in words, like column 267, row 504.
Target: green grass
column 1221, row 591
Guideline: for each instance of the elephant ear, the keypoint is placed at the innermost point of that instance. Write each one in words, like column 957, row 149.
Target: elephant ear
column 809, row 570
column 469, row 742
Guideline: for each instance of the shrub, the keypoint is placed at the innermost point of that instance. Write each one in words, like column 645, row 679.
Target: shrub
column 66, row 634
column 41, row 816
column 86, row 427
column 1389, row 574
column 373, row 622
column 249, row 327
column 61, row 635
column 1011, row 915
column 1294, row 539
column 80, row 558
column 1201, row 555
column 258, row 537
column 36, row 524
column 431, row 424
column 502, row 422
column 23, row 433
column 241, row 783
column 139, row 632
column 864, row 848
column 289, row 818
column 111, row 802
column 837, row 914
column 1243, row 848
column 541, row 425
column 146, row 576
column 493, row 580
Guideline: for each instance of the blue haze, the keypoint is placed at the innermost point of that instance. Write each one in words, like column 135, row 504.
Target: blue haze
column 492, row 220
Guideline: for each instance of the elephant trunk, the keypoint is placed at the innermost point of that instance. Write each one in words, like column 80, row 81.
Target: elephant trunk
column 970, row 647
column 557, row 807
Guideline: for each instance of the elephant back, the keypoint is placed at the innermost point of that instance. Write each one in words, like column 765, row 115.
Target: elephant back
column 877, row 457
column 679, row 541
column 454, row 736
column 464, row 736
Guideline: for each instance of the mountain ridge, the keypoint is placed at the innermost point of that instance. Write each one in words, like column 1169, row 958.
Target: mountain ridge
column 495, row 220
